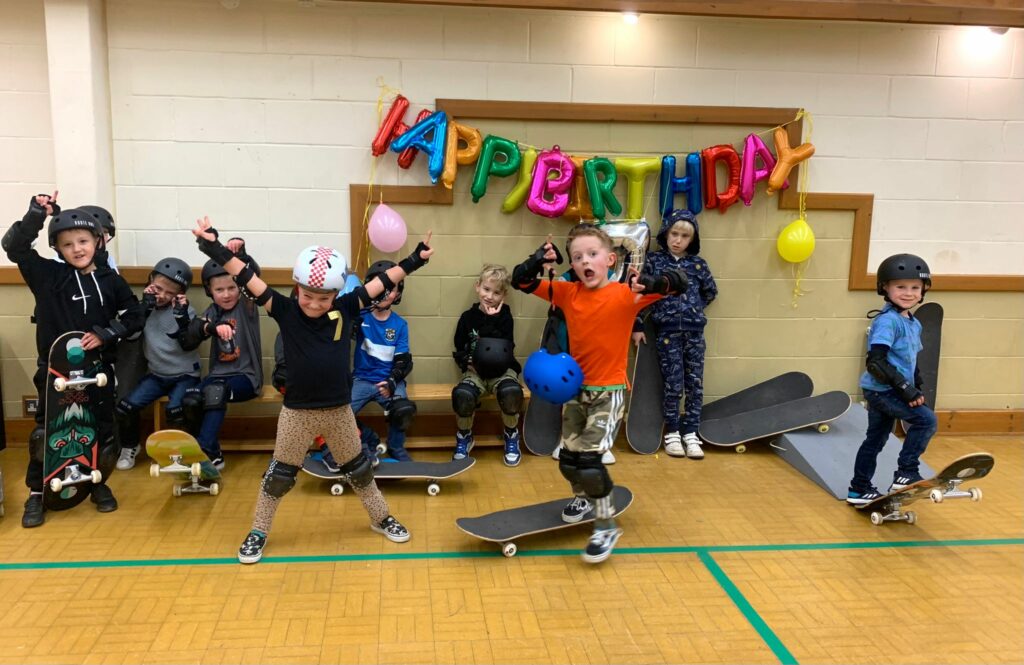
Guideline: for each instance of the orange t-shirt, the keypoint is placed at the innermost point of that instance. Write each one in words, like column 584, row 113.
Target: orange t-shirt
column 600, row 323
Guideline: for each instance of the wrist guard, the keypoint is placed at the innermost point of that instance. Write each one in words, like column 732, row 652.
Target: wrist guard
column 110, row 333
column 414, row 261
column 214, row 249
column 148, row 303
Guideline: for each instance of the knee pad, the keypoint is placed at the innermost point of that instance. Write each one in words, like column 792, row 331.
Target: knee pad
column 192, row 410
column 215, row 396
column 175, row 417
column 510, row 397
column 465, row 398
column 358, row 471
column 37, row 444
column 567, row 463
column 279, row 478
column 593, row 475
column 400, row 413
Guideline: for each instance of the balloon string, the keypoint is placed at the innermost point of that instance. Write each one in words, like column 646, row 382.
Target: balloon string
column 798, row 275
column 363, row 251
column 802, row 186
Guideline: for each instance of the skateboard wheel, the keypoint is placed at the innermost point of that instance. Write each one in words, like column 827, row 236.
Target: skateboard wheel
column 154, row 470
column 56, row 485
column 337, row 489
column 176, row 490
column 196, row 469
column 509, row 549
column 101, row 379
column 823, row 428
column 936, row 496
column 60, row 383
column 741, row 449
column 381, row 448
column 975, row 494
column 214, row 489
column 433, row 489
column 96, row 476
column 911, row 517
column 876, row 518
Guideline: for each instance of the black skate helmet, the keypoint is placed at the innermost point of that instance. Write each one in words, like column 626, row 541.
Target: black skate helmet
column 175, row 270
column 102, row 217
column 210, row 270
column 73, row 218
column 492, row 356
column 379, row 268
column 903, row 266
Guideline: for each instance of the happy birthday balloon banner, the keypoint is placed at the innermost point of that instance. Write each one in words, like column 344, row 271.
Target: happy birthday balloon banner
column 554, row 184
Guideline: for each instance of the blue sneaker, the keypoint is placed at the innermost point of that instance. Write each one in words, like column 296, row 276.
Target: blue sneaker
column 399, row 455
column 512, row 454
column 903, row 479
column 855, row 498
column 463, row 444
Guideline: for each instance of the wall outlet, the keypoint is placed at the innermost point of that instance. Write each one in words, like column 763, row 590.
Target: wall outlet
column 29, row 405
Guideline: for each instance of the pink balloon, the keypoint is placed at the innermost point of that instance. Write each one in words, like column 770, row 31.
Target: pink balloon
column 387, row 229
column 753, row 148
column 549, row 196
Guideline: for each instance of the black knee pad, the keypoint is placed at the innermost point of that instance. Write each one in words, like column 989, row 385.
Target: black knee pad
column 126, row 415
column 215, row 396
column 400, row 413
column 192, row 410
column 465, row 398
column 175, row 417
column 593, row 475
column 279, row 478
column 510, row 397
column 567, row 463
column 358, row 472
column 37, row 444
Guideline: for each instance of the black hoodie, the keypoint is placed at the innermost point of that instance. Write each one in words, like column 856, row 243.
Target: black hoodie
column 67, row 299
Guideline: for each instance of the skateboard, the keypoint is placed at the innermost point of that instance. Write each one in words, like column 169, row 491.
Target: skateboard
column 945, row 485
column 644, row 421
column 178, row 452
column 542, row 424
column 783, row 388
column 71, row 455
column 771, row 420
column 429, row 471
column 506, row 526
column 930, row 315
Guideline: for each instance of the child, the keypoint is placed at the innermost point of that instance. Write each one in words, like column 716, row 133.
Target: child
column 316, row 332
column 172, row 370
column 382, row 362
column 73, row 294
column 484, row 342
column 680, row 323
column 599, row 315
column 236, row 356
column 892, row 383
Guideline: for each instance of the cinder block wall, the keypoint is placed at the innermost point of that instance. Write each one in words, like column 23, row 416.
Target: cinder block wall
column 261, row 118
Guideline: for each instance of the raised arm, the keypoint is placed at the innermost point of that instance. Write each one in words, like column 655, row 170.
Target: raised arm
column 392, row 276
column 245, row 276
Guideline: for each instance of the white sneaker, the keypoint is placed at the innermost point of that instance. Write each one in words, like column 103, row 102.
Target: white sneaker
column 692, row 443
column 127, row 459
column 674, row 445
column 556, row 452
column 607, row 457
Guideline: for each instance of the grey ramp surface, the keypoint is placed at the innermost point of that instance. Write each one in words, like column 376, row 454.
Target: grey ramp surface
column 429, row 470
column 517, row 522
column 772, row 420
column 783, row 388
column 644, row 422
column 827, row 458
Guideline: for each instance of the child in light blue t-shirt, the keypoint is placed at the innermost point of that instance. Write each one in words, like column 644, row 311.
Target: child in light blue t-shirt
column 892, row 383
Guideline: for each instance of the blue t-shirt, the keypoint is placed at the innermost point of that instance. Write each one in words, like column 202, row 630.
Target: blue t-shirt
column 377, row 343
column 902, row 335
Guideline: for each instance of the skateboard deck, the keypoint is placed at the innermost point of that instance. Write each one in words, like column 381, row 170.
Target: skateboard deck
column 506, row 526
column 945, row 485
column 176, row 452
column 429, row 471
column 644, row 422
column 542, row 424
column 930, row 315
column 783, row 388
column 71, row 455
column 771, row 420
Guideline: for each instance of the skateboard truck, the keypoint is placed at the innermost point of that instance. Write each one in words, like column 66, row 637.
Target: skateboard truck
column 337, row 489
column 195, row 473
column 72, row 476
column 78, row 380
column 951, row 490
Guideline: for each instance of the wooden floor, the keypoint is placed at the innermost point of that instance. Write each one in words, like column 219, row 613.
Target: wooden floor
column 737, row 558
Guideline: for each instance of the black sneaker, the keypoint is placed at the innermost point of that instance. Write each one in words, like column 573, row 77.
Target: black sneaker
column 34, row 510
column 392, row 530
column 399, row 454
column 218, row 462
column 602, row 541
column 103, row 498
column 251, row 550
column 855, row 498
column 576, row 509
column 904, row 479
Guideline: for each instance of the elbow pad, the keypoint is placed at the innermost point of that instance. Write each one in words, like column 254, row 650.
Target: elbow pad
column 402, row 368
column 882, row 370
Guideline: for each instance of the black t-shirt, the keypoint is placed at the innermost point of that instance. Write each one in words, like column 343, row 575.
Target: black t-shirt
column 316, row 352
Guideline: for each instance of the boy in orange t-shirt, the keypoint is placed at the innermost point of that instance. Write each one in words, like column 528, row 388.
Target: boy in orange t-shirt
column 599, row 315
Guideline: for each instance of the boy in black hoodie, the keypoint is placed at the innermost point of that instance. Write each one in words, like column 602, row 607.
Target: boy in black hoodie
column 81, row 293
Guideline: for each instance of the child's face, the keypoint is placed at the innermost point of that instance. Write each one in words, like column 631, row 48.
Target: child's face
column 905, row 292
column 490, row 293
column 679, row 238
column 77, row 247
column 164, row 290
column 225, row 291
column 313, row 304
column 591, row 260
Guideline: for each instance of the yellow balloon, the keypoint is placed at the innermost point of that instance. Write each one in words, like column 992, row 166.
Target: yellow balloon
column 515, row 198
column 796, row 242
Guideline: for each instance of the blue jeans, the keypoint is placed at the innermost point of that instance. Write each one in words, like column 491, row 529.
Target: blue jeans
column 152, row 387
column 240, row 389
column 883, row 410
column 363, row 391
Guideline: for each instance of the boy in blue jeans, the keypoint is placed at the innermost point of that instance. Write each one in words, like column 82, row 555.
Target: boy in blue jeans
column 892, row 383
column 171, row 369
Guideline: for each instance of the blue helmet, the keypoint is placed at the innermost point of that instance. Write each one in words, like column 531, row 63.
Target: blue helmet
column 555, row 378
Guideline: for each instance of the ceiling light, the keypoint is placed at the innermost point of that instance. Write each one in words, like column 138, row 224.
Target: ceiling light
column 630, row 18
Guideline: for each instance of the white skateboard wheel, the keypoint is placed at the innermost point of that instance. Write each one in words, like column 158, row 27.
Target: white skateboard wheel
column 60, row 383
column 101, row 379
column 433, row 489
column 56, row 485
column 975, row 494
column 509, row 549
column 877, row 519
column 154, row 470
column 176, row 490
column 337, row 489
column 911, row 517
column 936, row 496
column 214, row 489
column 96, row 476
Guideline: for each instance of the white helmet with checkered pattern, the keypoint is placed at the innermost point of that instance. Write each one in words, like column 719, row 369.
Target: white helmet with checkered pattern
column 320, row 268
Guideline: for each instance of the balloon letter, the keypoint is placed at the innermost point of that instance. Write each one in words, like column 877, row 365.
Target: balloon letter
column 636, row 171
column 552, row 178
column 712, row 197
column 436, row 124
column 788, row 158
column 515, row 198
column 487, row 165
column 387, row 132
column 690, row 184
column 750, row 175
column 453, row 156
column 601, row 194
column 579, row 202
column 409, row 154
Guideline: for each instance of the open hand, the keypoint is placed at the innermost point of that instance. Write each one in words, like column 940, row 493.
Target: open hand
column 91, row 341
column 202, row 229
column 383, row 389
column 235, row 245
